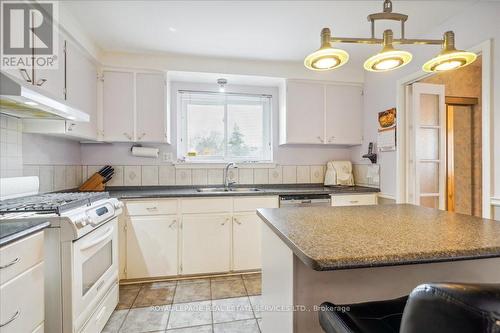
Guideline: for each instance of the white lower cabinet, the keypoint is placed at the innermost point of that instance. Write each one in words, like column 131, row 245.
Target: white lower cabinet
column 151, row 246
column 22, row 285
column 188, row 236
column 206, row 243
column 361, row 199
column 246, row 241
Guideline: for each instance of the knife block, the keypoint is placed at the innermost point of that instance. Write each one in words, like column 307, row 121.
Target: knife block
column 93, row 184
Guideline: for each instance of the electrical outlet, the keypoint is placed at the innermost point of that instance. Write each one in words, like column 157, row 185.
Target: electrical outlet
column 167, row 157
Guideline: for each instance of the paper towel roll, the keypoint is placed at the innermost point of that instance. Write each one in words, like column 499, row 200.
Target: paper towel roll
column 145, row 152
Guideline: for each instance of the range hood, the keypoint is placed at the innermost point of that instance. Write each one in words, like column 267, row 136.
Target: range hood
column 30, row 102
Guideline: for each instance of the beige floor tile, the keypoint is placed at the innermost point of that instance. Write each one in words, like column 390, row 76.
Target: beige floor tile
column 251, row 276
column 194, row 280
column 151, row 294
column 242, row 326
column 115, row 321
column 146, row 320
column 231, row 309
column 253, row 286
column 194, row 329
column 228, row 288
column 190, row 314
column 192, row 292
column 128, row 294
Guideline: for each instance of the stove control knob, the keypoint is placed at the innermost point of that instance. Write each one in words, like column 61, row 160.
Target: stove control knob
column 118, row 205
column 82, row 222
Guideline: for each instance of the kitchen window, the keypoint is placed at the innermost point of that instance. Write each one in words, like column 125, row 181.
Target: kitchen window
column 218, row 127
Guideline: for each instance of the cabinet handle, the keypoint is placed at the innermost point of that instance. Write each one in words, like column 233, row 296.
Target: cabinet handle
column 14, row 317
column 174, row 222
column 354, row 201
column 237, row 222
column 71, row 125
column 224, row 223
column 152, row 209
column 320, row 139
column 127, row 135
column 41, row 82
column 15, row 261
column 25, row 75
column 141, row 136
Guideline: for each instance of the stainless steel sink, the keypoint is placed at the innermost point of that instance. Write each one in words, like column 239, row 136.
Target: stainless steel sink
column 212, row 189
column 225, row 190
column 245, row 189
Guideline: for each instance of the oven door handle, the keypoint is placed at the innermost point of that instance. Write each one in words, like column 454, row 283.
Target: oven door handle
column 97, row 241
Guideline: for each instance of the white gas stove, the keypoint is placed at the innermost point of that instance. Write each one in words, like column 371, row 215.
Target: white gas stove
column 81, row 252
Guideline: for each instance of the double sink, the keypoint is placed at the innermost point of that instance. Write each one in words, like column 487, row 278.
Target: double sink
column 225, row 190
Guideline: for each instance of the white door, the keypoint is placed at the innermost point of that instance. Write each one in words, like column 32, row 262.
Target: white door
column 51, row 80
column 246, row 241
column 81, row 91
column 427, row 145
column 206, row 243
column 305, row 110
column 150, row 107
column 152, row 246
column 344, row 124
column 118, row 106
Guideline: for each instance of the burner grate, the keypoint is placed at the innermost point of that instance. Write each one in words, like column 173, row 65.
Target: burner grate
column 51, row 202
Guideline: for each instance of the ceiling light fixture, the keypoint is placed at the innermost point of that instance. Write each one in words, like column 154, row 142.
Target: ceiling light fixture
column 222, row 84
column 389, row 58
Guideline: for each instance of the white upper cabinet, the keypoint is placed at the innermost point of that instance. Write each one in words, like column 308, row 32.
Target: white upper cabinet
column 321, row 113
column 81, row 91
column 51, row 80
column 134, row 106
column 150, row 109
column 343, row 115
column 118, row 106
column 305, row 107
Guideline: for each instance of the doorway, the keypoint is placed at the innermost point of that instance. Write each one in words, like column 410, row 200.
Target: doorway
column 444, row 140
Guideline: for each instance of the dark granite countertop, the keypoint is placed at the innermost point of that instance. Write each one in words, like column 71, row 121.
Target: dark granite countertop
column 330, row 238
column 137, row 192
column 13, row 230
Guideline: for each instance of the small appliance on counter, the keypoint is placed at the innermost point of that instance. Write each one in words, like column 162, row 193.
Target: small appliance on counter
column 339, row 173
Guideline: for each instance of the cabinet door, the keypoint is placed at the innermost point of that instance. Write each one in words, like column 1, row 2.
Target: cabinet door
column 305, row 110
column 81, row 91
column 51, row 80
column 246, row 241
column 118, row 106
column 150, row 107
column 343, row 114
column 206, row 243
column 151, row 246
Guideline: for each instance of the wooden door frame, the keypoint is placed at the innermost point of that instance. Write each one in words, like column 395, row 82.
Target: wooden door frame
column 483, row 49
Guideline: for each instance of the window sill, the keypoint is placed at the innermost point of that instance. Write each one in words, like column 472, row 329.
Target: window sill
column 222, row 165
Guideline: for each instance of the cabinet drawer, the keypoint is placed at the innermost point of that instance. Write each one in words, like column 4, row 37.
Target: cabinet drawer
column 207, row 205
column 17, row 257
column 22, row 302
column 354, row 200
column 152, row 207
column 98, row 320
column 252, row 203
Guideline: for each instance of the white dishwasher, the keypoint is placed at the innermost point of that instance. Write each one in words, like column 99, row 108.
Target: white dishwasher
column 305, row 200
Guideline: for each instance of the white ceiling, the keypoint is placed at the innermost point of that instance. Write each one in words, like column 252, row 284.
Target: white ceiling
column 270, row 30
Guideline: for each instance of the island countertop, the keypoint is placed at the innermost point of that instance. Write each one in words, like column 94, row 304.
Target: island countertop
column 332, row 238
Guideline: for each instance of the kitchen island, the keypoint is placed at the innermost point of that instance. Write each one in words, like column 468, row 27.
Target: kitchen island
column 359, row 254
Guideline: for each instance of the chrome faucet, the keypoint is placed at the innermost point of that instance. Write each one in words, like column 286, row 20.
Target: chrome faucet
column 227, row 183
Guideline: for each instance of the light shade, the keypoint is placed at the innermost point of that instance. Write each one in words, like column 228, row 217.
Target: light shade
column 448, row 61
column 326, row 59
column 389, row 58
column 449, row 58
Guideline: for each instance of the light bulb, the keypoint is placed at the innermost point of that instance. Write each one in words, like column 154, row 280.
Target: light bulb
column 388, row 64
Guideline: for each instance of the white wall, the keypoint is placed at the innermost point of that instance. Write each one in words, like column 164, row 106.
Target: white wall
column 43, row 149
column 119, row 153
column 472, row 27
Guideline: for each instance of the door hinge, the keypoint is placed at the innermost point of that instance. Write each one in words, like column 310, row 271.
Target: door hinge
column 124, row 271
column 100, row 77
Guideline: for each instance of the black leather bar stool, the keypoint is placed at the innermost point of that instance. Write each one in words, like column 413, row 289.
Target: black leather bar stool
column 430, row 308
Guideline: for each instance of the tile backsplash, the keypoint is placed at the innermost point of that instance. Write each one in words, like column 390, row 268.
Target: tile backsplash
column 11, row 147
column 56, row 177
